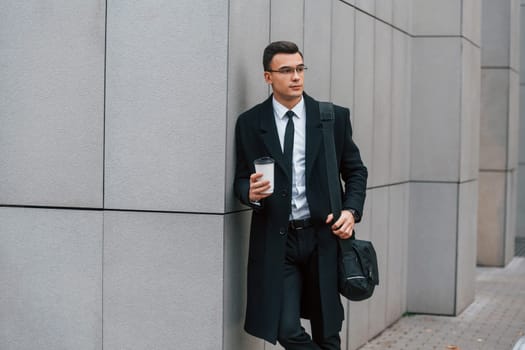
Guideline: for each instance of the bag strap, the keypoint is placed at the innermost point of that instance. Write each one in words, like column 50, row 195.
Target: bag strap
column 332, row 172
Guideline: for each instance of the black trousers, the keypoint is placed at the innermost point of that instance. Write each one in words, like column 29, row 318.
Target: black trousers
column 300, row 279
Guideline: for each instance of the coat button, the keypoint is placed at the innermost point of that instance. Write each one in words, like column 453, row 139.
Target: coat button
column 282, row 231
column 284, row 193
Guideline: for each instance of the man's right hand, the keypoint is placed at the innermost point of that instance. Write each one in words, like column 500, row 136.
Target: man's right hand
column 258, row 187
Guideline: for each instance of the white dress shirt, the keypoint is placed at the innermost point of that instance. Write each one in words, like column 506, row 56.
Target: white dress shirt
column 300, row 208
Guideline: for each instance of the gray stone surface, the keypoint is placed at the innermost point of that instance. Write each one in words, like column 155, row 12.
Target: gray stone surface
column 246, row 85
column 236, row 238
column 470, row 112
column 511, row 212
column 520, row 225
column 364, row 87
column 317, row 47
column 400, row 113
column 515, row 27
column 287, row 20
column 163, row 281
column 436, row 107
column 494, row 119
column 382, row 135
column 495, row 33
column 343, row 55
column 466, row 245
column 395, row 278
column 432, row 248
column 513, row 124
column 51, row 278
column 51, row 110
column 384, row 9
column 166, row 74
column 491, row 218
column 436, row 17
column 522, row 44
column 471, row 21
column 402, row 14
column 379, row 232
column 357, row 321
column 368, row 6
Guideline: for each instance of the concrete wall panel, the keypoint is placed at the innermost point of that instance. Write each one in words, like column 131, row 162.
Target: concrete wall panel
column 467, row 238
column 381, row 147
column 368, row 6
column 379, row 236
column 495, row 31
column 343, row 77
column 51, row 110
column 236, row 238
column 521, row 150
column 384, row 10
column 400, row 113
column 494, row 119
column 402, row 14
column 166, row 74
column 163, row 283
column 522, row 44
column 287, row 21
column 514, row 35
column 317, row 47
column 436, row 17
column 510, row 219
column 432, row 249
column 436, row 79
column 513, row 122
column 358, row 312
column 364, row 87
column 520, row 208
column 51, row 278
column 248, row 36
column 491, row 218
column 471, row 22
column 470, row 112
column 404, row 237
column 394, row 263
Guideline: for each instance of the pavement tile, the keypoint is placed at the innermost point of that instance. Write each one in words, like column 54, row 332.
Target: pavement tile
column 494, row 321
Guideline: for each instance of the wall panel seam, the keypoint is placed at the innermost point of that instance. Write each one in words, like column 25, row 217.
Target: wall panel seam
column 123, row 210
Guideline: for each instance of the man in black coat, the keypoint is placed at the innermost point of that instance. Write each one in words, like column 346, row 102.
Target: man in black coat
column 292, row 263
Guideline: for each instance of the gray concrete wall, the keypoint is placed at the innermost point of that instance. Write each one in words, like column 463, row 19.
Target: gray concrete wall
column 444, row 156
column 499, row 132
column 118, row 226
column 520, row 225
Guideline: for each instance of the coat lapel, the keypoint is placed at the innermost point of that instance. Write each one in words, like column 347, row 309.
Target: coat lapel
column 270, row 136
column 313, row 133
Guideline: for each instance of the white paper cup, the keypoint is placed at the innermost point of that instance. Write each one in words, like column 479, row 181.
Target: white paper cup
column 264, row 166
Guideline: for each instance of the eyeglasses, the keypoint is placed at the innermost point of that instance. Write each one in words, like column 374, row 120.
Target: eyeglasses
column 289, row 70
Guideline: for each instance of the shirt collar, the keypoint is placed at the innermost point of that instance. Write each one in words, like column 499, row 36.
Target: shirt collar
column 281, row 110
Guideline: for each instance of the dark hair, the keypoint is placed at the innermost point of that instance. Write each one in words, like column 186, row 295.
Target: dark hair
column 278, row 47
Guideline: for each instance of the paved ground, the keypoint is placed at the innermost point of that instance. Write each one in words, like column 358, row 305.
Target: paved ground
column 495, row 321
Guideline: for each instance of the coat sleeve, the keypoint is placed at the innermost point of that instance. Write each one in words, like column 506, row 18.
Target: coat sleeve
column 353, row 171
column 243, row 170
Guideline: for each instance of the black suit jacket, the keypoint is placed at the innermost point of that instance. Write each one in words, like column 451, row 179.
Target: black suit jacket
column 256, row 136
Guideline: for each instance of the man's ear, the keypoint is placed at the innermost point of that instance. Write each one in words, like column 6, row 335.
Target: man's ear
column 267, row 77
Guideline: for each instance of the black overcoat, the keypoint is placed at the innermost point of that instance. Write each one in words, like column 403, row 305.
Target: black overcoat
column 256, row 136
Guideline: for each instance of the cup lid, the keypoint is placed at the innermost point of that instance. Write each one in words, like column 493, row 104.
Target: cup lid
column 263, row 160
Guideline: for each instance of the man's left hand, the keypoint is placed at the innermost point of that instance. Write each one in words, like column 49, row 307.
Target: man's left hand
column 344, row 226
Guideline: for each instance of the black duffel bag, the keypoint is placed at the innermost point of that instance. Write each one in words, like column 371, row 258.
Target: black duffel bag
column 358, row 273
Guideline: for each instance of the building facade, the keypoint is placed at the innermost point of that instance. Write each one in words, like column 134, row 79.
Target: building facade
column 118, row 225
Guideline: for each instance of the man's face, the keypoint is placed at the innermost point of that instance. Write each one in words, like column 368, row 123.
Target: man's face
column 286, row 77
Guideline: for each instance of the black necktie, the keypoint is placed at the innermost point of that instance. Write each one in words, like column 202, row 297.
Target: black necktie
column 288, row 140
